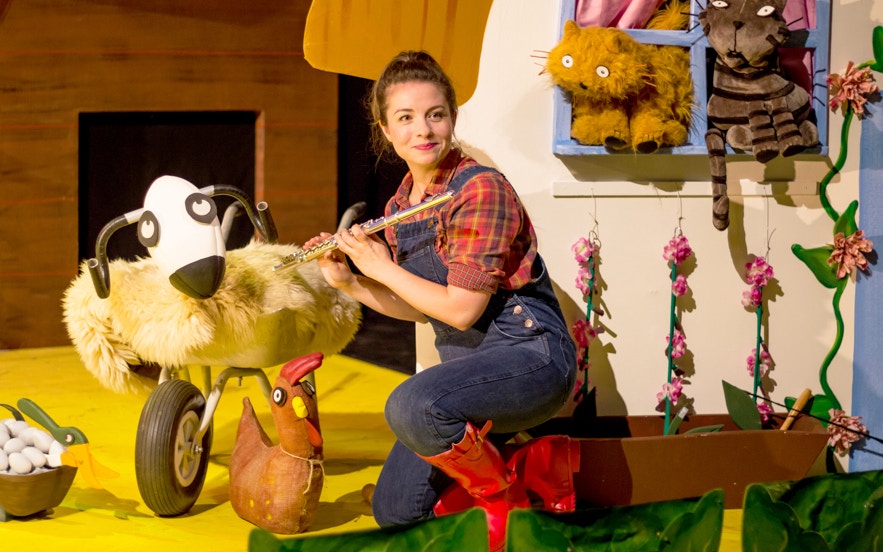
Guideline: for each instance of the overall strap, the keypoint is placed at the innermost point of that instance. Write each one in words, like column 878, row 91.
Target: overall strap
column 460, row 179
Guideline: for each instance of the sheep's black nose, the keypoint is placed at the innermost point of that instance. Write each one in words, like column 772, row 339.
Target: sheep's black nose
column 200, row 279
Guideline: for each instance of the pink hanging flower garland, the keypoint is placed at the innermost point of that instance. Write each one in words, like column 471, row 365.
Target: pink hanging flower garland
column 758, row 274
column 676, row 251
column 584, row 332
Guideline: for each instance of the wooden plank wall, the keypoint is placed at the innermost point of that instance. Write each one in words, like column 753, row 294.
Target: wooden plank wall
column 63, row 57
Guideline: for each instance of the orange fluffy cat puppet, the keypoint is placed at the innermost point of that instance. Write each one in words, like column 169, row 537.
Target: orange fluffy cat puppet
column 625, row 94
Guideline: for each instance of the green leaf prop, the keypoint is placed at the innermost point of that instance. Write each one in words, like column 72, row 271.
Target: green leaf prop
column 699, row 530
column 706, row 429
column 741, row 407
column 864, row 535
column 877, row 40
column 682, row 525
column 463, row 531
column 816, row 259
column 768, row 525
column 817, row 407
column 846, row 222
column 838, row 511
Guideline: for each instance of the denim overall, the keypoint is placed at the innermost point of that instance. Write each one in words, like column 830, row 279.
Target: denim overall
column 516, row 366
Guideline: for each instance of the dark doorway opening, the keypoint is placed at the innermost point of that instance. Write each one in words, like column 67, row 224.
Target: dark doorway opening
column 362, row 176
column 122, row 153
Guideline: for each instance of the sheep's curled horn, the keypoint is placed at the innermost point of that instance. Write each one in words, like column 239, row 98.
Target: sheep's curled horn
column 98, row 265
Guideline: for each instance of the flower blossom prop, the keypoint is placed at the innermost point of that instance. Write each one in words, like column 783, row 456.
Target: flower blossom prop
column 758, row 273
column 844, row 430
column 834, row 264
column 852, row 90
column 675, row 252
column 584, row 331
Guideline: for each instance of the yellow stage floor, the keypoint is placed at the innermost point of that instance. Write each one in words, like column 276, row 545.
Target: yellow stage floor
column 351, row 397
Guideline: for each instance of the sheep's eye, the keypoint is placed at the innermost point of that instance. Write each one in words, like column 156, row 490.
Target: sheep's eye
column 201, row 208
column 279, row 396
column 148, row 229
column 766, row 11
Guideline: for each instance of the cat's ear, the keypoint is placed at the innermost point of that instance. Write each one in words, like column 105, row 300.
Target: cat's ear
column 622, row 41
column 570, row 29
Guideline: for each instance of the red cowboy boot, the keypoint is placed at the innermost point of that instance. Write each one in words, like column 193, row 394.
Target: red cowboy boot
column 545, row 466
column 476, row 464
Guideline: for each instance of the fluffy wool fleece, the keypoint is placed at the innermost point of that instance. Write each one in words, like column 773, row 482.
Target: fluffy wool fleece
column 257, row 319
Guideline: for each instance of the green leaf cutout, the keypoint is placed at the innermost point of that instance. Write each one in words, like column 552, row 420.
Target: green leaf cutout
column 463, row 531
column 769, row 525
column 877, row 40
column 816, row 260
column 817, row 407
column 699, row 530
column 684, row 525
column 846, row 222
column 838, row 511
column 741, row 407
column 864, row 535
column 706, row 429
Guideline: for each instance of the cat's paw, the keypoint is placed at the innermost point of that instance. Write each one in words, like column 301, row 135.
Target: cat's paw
column 739, row 137
column 616, row 141
column 648, row 144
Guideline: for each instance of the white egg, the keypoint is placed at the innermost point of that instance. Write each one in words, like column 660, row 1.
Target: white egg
column 18, row 427
column 19, row 463
column 7, row 421
column 4, row 431
column 27, row 435
column 56, row 448
column 3, row 437
column 4, row 461
column 14, row 445
column 37, row 458
column 42, row 440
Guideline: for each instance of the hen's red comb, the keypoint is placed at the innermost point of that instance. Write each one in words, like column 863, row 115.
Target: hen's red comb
column 295, row 370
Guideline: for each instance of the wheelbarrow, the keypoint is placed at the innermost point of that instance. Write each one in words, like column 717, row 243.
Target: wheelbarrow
column 175, row 429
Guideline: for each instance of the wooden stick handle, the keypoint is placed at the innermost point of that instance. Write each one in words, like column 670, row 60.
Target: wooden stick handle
column 796, row 408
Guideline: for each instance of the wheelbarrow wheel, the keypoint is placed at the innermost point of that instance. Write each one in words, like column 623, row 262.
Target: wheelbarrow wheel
column 169, row 469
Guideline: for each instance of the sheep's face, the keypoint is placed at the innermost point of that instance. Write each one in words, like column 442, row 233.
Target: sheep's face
column 179, row 227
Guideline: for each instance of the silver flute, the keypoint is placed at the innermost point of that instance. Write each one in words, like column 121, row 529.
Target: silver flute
column 371, row 227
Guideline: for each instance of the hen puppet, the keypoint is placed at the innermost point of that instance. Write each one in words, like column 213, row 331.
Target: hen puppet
column 277, row 487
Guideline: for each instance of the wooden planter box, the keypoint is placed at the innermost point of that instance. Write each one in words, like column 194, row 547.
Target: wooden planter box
column 628, row 460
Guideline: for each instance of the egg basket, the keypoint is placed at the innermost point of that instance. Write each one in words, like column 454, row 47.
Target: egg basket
column 25, row 495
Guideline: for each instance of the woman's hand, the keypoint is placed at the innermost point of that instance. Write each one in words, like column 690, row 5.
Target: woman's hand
column 332, row 264
column 367, row 251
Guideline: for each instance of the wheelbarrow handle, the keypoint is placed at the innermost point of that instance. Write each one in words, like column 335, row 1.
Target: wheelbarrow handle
column 15, row 413
column 65, row 435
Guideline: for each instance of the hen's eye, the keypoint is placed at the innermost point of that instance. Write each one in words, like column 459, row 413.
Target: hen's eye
column 279, row 396
column 766, row 11
column 602, row 71
column 567, row 61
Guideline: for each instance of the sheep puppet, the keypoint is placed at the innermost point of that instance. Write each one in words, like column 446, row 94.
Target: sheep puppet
column 192, row 302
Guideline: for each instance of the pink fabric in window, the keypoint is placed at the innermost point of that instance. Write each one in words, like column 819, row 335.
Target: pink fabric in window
column 797, row 63
column 624, row 14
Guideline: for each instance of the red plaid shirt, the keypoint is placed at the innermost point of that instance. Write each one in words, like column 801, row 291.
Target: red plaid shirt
column 485, row 237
